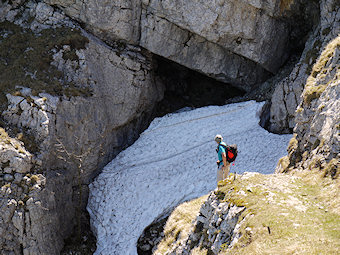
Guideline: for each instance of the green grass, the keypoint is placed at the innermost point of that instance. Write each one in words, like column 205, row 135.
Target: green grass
column 313, row 90
column 284, row 214
column 296, row 216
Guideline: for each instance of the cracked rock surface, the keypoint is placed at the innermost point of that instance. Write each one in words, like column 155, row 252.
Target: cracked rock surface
column 288, row 91
column 232, row 41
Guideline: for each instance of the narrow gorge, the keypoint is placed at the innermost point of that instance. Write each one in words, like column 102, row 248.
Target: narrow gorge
column 109, row 108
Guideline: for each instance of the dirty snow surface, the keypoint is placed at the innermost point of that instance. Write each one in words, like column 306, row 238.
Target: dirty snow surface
column 174, row 160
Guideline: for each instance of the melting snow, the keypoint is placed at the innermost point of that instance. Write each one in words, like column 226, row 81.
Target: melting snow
column 173, row 161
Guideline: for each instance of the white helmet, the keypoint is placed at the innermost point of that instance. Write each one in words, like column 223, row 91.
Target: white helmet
column 218, row 138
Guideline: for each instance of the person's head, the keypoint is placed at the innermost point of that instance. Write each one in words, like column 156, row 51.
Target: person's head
column 218, row 138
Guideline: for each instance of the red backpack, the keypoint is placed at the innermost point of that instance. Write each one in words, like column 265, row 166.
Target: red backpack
column 231, row 152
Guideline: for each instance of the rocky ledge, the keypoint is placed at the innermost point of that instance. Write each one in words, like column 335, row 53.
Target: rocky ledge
column 256, row 214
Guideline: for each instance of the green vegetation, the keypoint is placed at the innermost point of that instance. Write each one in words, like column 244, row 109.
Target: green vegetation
column 34, row 179
column 25, row 59
column 313, row 92
column 287, row 214
column 321, row 69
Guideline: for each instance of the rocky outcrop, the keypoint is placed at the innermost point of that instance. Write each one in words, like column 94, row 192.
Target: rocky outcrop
column 254, row 213
column 76, row 102
column 25, row 216
column 316, row 144
column 213, row 228
column 109, row 20
column 240, row 42
column 286, row 96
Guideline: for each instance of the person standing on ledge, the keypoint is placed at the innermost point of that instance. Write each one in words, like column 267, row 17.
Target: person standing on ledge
column 223, row 165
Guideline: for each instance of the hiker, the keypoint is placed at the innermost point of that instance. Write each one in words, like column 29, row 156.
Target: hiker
column 223, row 165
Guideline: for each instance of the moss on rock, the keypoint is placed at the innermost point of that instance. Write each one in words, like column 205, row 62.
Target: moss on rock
column 316, row 85
column 25, row 60
column 284, row 214
column 287, row 213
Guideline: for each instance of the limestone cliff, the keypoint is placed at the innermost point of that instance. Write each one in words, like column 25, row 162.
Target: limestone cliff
column 316, row 144
column 239, row 42
column 288, row 90
column 74, row 102
column 78, row 84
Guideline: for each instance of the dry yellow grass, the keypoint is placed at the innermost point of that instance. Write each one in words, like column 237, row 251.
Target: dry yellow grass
column 290, row 215
column 321, row 70
column 179, row 225
column 285, row 5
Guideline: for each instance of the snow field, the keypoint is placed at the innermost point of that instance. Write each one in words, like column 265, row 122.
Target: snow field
column 174, row 161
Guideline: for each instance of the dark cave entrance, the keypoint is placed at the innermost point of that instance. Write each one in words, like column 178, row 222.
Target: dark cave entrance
column 187, row 88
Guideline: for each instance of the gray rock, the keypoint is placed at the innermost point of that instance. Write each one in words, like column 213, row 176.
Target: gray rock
column 17, row 177
column 18, row 222
column 8, row 177
column 111, row 20
column 195, row 52
column 233, row 41
column 220, row 223
column 88, row 131
column 286, row 96
column 43, row 12
column 240, row 27
column 316, row 143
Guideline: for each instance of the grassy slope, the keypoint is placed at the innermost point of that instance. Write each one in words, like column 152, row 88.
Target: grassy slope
column 179, row 224
column 289, row 214
column 286, row 214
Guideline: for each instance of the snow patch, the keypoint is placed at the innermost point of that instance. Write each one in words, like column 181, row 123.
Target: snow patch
column 174, row 161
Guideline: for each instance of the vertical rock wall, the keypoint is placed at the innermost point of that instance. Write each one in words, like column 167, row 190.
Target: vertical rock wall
column 242, row 42
column 286, row 96
column 77, row 106
column 316, row 144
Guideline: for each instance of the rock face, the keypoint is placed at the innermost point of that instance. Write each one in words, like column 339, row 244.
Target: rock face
column 316, row 144
column 288, row 91
column 26, row 205
column 213, row 228
column 110, row 20
column 233, row 41
column 244, row 28
column 99, row 100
